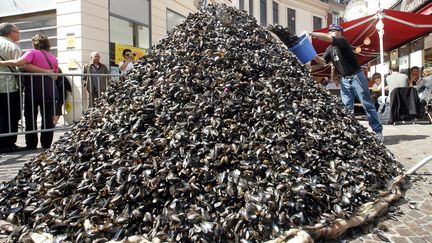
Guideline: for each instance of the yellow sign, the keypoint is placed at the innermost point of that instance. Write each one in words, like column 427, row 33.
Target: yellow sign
column 138, row 52
column 72, row 64
column 70, row 41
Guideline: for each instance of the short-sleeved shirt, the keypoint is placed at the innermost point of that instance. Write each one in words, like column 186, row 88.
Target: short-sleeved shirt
column 33, row 87
column 9, row 51
column 128, row 67
column 342, row 56
column 37, row 58
column 396, row 80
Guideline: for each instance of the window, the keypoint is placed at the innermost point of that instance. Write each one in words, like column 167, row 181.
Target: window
column 42, row 24
column 129, row 33
column 263, row 12
column 251, row 7
column 139, row 13
column 173, row 19
column 241, row 5
column 124, row 32
column 335, row 18
column 275, row 12
column 121, row 31
column 291, row 20
column 317, row 23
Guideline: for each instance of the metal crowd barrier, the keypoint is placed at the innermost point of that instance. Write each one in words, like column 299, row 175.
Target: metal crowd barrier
column 74, row 105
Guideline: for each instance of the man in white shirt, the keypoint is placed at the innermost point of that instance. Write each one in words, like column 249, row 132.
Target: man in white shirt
column 394, row 80
column 127, row 63
column 10, row 109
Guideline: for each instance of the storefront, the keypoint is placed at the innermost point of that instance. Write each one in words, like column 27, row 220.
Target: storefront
column 129, row 28
column 418, row 52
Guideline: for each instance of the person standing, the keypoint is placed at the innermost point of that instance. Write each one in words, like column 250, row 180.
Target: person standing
column 95, row 85
column 354, row 82
column 128, row 60
column 10, row 109
column 40, row 91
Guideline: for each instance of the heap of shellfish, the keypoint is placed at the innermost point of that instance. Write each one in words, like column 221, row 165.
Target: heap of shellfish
column 219, row 134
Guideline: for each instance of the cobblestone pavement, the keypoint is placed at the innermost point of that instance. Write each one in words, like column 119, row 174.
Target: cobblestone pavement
column 410, row 143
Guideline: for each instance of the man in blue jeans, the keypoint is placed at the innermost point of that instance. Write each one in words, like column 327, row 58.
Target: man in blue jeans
column 354, row 82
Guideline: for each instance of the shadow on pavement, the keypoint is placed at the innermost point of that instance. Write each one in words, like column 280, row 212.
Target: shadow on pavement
column 395, row 139
column 19, row 157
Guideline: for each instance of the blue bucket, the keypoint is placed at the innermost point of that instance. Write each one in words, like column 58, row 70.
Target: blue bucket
column 304, row 50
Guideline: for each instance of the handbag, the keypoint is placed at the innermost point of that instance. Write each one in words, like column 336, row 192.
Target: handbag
column 48, row 80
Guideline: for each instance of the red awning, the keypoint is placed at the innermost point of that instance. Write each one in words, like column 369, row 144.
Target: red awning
column 399, row 28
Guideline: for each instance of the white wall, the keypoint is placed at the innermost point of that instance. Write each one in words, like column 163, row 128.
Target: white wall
column 305, row 11
column 87, row 21
column 158, row 15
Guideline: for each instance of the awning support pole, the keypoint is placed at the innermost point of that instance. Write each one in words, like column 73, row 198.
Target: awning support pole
column 380, row 28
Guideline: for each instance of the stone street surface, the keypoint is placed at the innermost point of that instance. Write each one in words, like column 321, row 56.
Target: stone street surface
column 410, row 143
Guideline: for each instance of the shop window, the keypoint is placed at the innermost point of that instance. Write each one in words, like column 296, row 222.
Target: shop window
column 251, row 7
column 129, row 33
column 134, row 10
column 121, row 31
column 173, row 19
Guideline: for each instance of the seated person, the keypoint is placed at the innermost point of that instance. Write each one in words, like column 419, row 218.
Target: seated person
column 376, row 87
column 394, row 80
column 424, row 89
column 414, row 76
column 376, row 79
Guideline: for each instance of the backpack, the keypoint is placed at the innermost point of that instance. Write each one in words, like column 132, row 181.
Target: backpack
column 384, row 113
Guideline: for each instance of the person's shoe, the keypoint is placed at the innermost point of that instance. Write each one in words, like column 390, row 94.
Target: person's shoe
column 380, row 137
column 30, row 147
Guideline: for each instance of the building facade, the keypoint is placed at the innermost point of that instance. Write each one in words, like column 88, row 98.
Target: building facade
column 78, row 27
column 416, row 53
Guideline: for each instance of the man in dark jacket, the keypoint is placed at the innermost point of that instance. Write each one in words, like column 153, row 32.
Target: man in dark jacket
column 95, row 85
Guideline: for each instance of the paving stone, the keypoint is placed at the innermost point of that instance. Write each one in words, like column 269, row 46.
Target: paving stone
column 421, row 221
column 415, row 214
column 417, row 239
column 428, row 228
column 398, row 239
column 427, row 206
column 420, row 231
column 404, row 232
column 428, row 238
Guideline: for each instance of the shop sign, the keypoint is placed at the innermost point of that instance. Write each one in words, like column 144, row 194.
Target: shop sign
column 138, row 52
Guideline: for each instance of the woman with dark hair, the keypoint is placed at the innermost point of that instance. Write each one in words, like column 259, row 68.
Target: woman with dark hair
column 40, row 91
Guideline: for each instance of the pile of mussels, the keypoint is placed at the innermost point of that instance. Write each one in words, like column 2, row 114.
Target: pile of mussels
column 218, row 135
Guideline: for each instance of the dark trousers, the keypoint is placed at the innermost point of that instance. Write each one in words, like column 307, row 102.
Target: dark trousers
column 10, row 114
column 30, row 113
